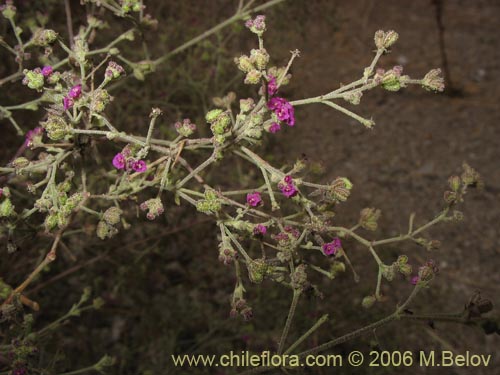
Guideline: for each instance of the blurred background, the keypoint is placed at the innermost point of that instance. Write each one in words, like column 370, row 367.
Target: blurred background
column 164, row 288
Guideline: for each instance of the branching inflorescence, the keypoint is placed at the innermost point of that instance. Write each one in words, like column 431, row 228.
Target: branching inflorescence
column 270, row 230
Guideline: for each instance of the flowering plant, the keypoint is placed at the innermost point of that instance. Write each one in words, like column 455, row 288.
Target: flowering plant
column 283, row 229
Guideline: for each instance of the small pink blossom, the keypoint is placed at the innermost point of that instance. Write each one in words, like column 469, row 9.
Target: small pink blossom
column 119, row 161
column 254, row 199
column 274, row 128
column 47, row 70
column 288, row 187
column 68, row 103
column 259, row 230
column 272, row 85
column 139, row 166
column 331, row 248
column 282, row 109
column 75, row 92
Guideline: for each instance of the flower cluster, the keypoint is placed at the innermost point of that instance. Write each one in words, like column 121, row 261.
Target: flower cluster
column 283, row 110
column 73, row 94
column 124, row 161
column 287, row 187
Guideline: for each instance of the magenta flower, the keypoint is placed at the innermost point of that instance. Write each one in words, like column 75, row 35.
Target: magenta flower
column 331, row 248
column 47, row 70
column 139, row 166
column 67, row 103
column 254, row 199
column 414, row 280
column 119, row 161
column 272, row 85
column 275, row 127
column 283, row 110
column 75, row 92
column 288, row 187
column 259, row 230
column 32, row 134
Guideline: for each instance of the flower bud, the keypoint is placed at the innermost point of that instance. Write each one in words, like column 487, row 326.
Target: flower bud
column 260, row 58
column 185, row 128
column 112, row 215
column 433, row 81
column 470, row 177
column 99, row 99
column 33, row 79
column 212, row 115
column 154, row 208
column 384, row 40
column 20, row 162
column 8, row 10
column 257, row 25
column 454, row 182
column 246, row 105
column 56, row 127
column 6, row 208
column 253, row 77
column 368, row 218
column 113, row 71
column 368, row 302
column 257, row 270
column 244, row 63
column 44, row 37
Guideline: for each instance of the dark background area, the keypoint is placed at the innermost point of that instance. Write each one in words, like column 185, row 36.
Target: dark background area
column 165, row 290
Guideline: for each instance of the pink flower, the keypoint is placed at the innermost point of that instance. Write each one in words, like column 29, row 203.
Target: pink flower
column 414, row 280
column 331, row 248
column 272, row 85
column 274, row 128
column 75, row 92
column 47, row 70
column 254, row 199
column 67, row 103
column 119, row 161
column 283, row 110
column 288, row 187
column 259, row 230
column 139, row 166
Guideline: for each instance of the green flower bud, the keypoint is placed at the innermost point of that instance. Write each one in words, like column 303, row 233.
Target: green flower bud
column 253, row 77
column 390, row 81
column 388, row 272
column 20, row 162
column 384, row 40
column 56, row 127
column 6, row 208
column 257, row 270
column 454, row 182
column 405, row 269
column 246, row 105
column 104, row 230
column 260, row 58
column 299, row 278
column 212, row 115
column 99, row 100
column 9, row 10
column 33, row 79
column 50, row 221
column 44, row 37
column 433, row 81
column 368, row 218
column 244, row 63
column 368, row 302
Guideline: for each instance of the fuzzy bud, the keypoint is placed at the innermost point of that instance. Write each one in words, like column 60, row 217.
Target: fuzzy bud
column 33, row 79
column 244, row 63
column 112, row 215
column 368, row 218
column 257, row 25
column 6, row 208
column 44, row 37
column 433, row 81
column 56, row 127
column 384, row 40
column 368, row 302
column 260, row 58
column 185, row 128
column 253, row 77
